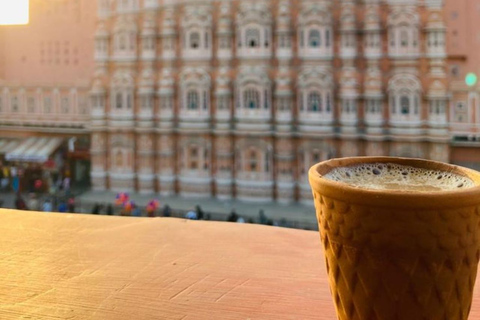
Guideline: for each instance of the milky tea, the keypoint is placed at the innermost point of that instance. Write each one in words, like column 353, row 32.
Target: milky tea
column 390, row 176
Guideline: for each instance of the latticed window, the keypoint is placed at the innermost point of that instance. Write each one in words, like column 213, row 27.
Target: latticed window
column 284, row 41
column 314, row 101
column 14, row 104
column 194, row 40
column 47, row 104
column 146, row 102
column 65, row 105
column 168, row 44
column 129, row 101
column 404, row 38
column 251, row 99
column 222, row 103
column 373, row 106
column 224, row 43
column 193, row 158
column 119, row 100
column 284, row 104
column 460, row 112
column 133, row 40
column 166, row 103
column 437, row 107
column 205, row 159
column 329, row 103
column 205, row 100
column 314, row 39
column 253, row 161
column 392, row 38
column 119, row 161
column 148, row 43
column 349, row 106
column 393, row 105
column 122, row 42
column 31, row 104
column 192, row 100
column 82, row 104
column 404, row 105
column 252, row 37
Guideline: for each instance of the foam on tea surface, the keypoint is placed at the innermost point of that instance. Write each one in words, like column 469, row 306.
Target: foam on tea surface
column 390, row 176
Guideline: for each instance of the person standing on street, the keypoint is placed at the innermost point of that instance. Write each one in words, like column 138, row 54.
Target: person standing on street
column 33, row 202
column 166, row 212
column 200, row 213
column 47, row 206
column 71, row 205
column 137, row 212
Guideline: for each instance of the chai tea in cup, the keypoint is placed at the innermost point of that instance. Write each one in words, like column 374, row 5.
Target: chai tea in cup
column 401, row 236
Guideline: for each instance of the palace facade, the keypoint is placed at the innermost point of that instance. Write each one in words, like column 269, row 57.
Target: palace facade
column 46, row 68
column 237, row 99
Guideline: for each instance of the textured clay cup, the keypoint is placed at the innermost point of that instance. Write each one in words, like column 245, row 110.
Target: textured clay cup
column 398, row 255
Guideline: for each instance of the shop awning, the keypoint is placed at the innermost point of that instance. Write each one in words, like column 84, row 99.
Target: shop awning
column 36, row 149
column 7, row 145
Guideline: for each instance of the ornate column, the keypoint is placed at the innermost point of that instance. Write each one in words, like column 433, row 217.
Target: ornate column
column 283, row 101
column 223, row 153
column 224, row 50
column 165, row 166
column 145, row 151
column 348, row 97
column 98, row 153
column 145, row 162
column 284, row 166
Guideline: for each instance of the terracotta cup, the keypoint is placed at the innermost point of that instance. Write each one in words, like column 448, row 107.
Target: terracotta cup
column 398, row 255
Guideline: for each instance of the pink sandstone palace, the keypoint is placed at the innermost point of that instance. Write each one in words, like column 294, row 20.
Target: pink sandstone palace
column 237, row 99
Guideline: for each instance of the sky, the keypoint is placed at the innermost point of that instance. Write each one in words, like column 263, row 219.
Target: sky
column 14, row 12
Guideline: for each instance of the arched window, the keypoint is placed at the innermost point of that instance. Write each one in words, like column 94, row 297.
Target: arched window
column 205, row 100
column 252, row 161
column 404, row 104
column 119, row 159
column 314, row 39
column 193, row 157
column 122, row 42
column 194, row 40
column 252, row 37
column 119, row 100
column 316, row 156
column 416, row 104
column 15, row 104
column 404, row 38
column 192, row 100
column 314, row 101
column 251, row 99
column 133, row 40
column 129, row 101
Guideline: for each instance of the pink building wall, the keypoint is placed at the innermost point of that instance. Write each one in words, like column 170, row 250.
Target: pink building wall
column 463, row 36
column 55, row 48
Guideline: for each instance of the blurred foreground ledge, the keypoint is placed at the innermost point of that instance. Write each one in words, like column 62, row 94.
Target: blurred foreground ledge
column 80, row 266
column 108, row 267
